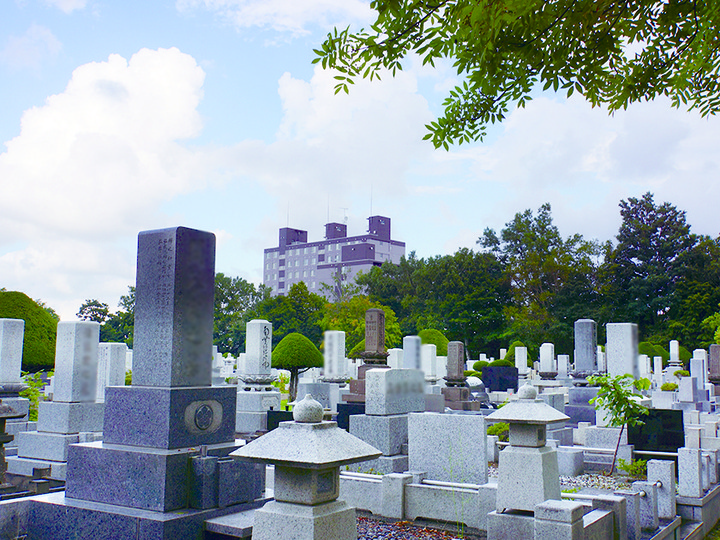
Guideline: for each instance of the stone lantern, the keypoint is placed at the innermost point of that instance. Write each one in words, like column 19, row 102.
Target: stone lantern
column 307, row 454
column 528, row 469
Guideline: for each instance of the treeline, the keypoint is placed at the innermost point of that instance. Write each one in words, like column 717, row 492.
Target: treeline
column 524, row 283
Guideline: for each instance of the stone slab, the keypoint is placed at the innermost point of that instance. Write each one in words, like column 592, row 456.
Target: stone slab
column 510, row 526
column 76, row 358
column 157, row 417
column 250, row 422
column 394, row 391
column 260, row 399
column 174, row 308
column 320, row 391
column 45, row 446
column 527, row 477
column 382, row 465
column 59, row 417
column 12, row 332
column 449, row 447
column 345, row 410
column 386, row 433
column 25, row 466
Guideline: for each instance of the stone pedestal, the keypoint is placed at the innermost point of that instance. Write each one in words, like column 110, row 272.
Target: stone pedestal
column 253, row 403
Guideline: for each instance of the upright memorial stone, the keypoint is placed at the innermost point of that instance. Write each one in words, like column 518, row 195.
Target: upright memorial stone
column 548, row 366
column 622, row 349
column 11, row 384
column 428, row 355
column 374, row 356
column 585, row 348
column 412, row 358
column 675, row 362
column 111, row 367
column 335, row 360
column 73, row 415
column 255, row 394
column 456, row 392
column 714, row 365
column 521, row 362
column 150, row 458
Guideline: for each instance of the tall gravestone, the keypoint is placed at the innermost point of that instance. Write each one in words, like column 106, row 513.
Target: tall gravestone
column 11, row 348
column 166, row 437
column 255, row 394
column 111, row 367
column 374, row 356
column 548, row 363
column 714, row 364
column 585, row 347
column 73, row 416
column 456, row 392
column 412, row 358
column 622, row 349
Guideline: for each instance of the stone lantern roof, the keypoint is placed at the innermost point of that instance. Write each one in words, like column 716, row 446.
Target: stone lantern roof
column 527, row 410
column 307, row 443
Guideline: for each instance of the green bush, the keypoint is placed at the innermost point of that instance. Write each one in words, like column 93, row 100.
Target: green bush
column 652, row 350
column 40, row 329
column 501, row 363
column 128, row 377
column 472, row 373
column 680, row 373
column 669, row 387
column 479, row 365
column 501, row 429
column 34, row 392
column 510, row 354
column 636, row 469
column 685, row 355
column 357, row 350
column 435, row 337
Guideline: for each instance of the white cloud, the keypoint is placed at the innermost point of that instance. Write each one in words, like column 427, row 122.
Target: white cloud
column 91, row 167
column 67, row 6
column 36, row 45
column 289, row 16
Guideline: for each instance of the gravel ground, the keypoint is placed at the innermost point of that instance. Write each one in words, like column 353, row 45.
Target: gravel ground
column 371, row 528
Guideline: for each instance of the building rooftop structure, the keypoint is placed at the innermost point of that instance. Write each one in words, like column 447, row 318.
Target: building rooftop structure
column 338, row 256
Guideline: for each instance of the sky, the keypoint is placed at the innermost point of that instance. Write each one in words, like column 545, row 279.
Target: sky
column 119, row 117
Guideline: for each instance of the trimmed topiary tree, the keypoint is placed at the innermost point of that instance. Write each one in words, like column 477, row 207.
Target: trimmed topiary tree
column 435, row 337
column 502, row 363
column 510, row 354
column 40, row 329
column 479, row 365
column 296, row 354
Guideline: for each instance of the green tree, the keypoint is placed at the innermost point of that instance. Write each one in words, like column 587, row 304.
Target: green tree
column 503, row 50
column 341, row 289
column 553, row 278
column 119, row 326
column 617, row 397
column 40, row 329
column 644, row 268
column 93, row 310
column 296, row 354
column 235, row 298
column 299, row 311
column 349, row 317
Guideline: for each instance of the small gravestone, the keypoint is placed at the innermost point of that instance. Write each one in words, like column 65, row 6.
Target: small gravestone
column 622, row 349
column 412, row 358
column 585, row 347
column 374, row 356
column 521, row 362
column 548, row 364
column 255, row 393
column 11, row 384
column 456, row 392
column 111, row 367
column 714, row 364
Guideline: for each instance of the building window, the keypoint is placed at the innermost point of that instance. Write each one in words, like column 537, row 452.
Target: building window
column 312, row 273
column 312, row 285
column 313, row 261
column 305, row 262
column 274, row 266
column 304, row 273
column 297, row 275
column 314, row 250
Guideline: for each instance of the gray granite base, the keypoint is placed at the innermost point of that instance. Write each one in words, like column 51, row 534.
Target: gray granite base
column 59, row 417
column 145, row 478
column 382, row 465
column 386, row 433
column 181, row 416
column 25, row 466
column 55, row 517
column 250, row 422
column 510, row 525
column 50, row 446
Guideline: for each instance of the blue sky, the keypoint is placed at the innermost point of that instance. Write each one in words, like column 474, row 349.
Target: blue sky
column 125, row 116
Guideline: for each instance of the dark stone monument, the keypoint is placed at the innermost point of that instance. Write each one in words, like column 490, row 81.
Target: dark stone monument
column 374, row 356
column 500, row 378
column 456, row 391
column 714, row 365
column 662, row 431
column 579, row 408
column 168, row 436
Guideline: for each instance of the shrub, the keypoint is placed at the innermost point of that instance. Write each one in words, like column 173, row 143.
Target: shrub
column 40, row 329
column 501, row 429
column 34, row 392
column 296, row 353
column 669, row 387
column 510, row 354
column 128, row 377
column 636, row 469
column 479, row 365
column 435, row 337
column 680, row 373
column 357, row 350
column 501, row 363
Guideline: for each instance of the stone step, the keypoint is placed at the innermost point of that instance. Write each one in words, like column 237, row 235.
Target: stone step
column 691, row 530
column 238, row 525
